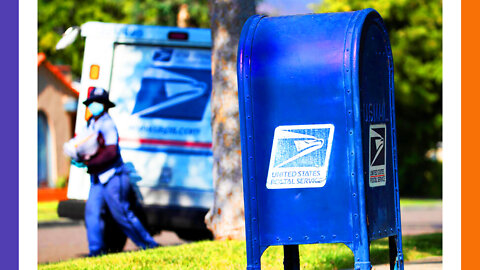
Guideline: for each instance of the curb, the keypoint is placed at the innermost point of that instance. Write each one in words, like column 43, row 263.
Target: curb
column 59, row 223
column 433, row 263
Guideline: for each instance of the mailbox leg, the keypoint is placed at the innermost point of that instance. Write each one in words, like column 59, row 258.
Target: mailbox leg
column 362, row 257
column 396, row 257
column 291, row 257
column 253, row 256
column 363, row 266
column 392, row 250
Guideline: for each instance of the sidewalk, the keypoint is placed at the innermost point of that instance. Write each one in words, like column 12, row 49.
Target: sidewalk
column 434, row 263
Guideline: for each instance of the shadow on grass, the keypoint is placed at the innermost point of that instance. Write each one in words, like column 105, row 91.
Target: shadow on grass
column 414, row 247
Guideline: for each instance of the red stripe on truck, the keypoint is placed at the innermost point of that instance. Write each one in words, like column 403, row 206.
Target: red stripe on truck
column 168, row 142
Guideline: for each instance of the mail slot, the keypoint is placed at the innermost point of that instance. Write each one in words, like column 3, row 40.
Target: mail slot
column 318, row 139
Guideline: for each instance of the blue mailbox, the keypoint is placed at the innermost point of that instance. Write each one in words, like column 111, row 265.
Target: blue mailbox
column 318, row 136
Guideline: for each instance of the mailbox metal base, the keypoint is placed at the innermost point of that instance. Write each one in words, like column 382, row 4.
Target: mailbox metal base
column 362, row 266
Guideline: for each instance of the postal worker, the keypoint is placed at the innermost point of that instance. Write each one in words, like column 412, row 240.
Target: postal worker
column 110, row 183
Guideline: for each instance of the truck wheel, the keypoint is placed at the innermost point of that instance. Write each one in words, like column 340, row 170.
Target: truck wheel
column 114, row 237
column 140, row 213
column 194, row 235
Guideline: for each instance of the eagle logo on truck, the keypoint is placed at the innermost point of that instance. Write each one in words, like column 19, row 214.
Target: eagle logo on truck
column 170, row 93
column 300, row 156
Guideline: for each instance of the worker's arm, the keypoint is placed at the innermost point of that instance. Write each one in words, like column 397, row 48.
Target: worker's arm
column 105, row 155
column 104, row 158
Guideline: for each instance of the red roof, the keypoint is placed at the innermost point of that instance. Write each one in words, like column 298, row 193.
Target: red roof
column 42, row 59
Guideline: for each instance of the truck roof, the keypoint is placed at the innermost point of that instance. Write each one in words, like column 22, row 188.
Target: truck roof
column 151, row 34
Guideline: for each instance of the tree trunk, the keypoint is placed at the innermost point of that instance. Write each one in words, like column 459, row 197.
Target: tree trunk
column 183, row 16
column 226, row 218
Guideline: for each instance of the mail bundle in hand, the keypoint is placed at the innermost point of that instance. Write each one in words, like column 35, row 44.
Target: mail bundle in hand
column 83, row 146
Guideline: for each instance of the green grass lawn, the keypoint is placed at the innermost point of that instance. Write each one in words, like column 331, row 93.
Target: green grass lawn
column 47, row 211
column 231, row 255
column 406, row 202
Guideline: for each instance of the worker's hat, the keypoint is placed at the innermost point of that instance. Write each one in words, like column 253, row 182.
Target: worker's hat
column 99, row 95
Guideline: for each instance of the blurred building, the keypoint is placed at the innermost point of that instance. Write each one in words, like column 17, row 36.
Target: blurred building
column 57, row 106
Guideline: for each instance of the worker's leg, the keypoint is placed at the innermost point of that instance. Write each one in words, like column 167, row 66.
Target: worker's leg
column 94, row 222
column 116, row 193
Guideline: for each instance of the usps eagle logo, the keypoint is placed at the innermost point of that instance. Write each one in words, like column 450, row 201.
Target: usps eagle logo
column 377, row 170
column 176, row 93
column 300, row 156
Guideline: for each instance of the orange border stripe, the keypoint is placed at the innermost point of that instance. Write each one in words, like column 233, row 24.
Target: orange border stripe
column 470, row 134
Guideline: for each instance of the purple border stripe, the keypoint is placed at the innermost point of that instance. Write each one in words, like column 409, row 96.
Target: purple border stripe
column 9, row 136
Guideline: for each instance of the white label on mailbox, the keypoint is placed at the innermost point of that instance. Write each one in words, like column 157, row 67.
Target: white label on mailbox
column 377, row 175
column 300, row 156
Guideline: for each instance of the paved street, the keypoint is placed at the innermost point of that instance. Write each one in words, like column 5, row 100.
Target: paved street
column 59, row 242
column 421, row 219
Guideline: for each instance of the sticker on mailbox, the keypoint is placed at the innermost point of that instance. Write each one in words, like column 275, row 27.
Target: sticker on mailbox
column 300, row 156
column 377, row 155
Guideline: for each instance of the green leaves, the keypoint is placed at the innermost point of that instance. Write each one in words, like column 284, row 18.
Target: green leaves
column 55, row 16
column 415, row 30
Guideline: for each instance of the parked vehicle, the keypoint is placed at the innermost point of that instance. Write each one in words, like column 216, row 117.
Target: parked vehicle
column 160, row 80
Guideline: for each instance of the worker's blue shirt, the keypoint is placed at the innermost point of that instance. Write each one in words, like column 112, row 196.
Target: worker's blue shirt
column 105, row 126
